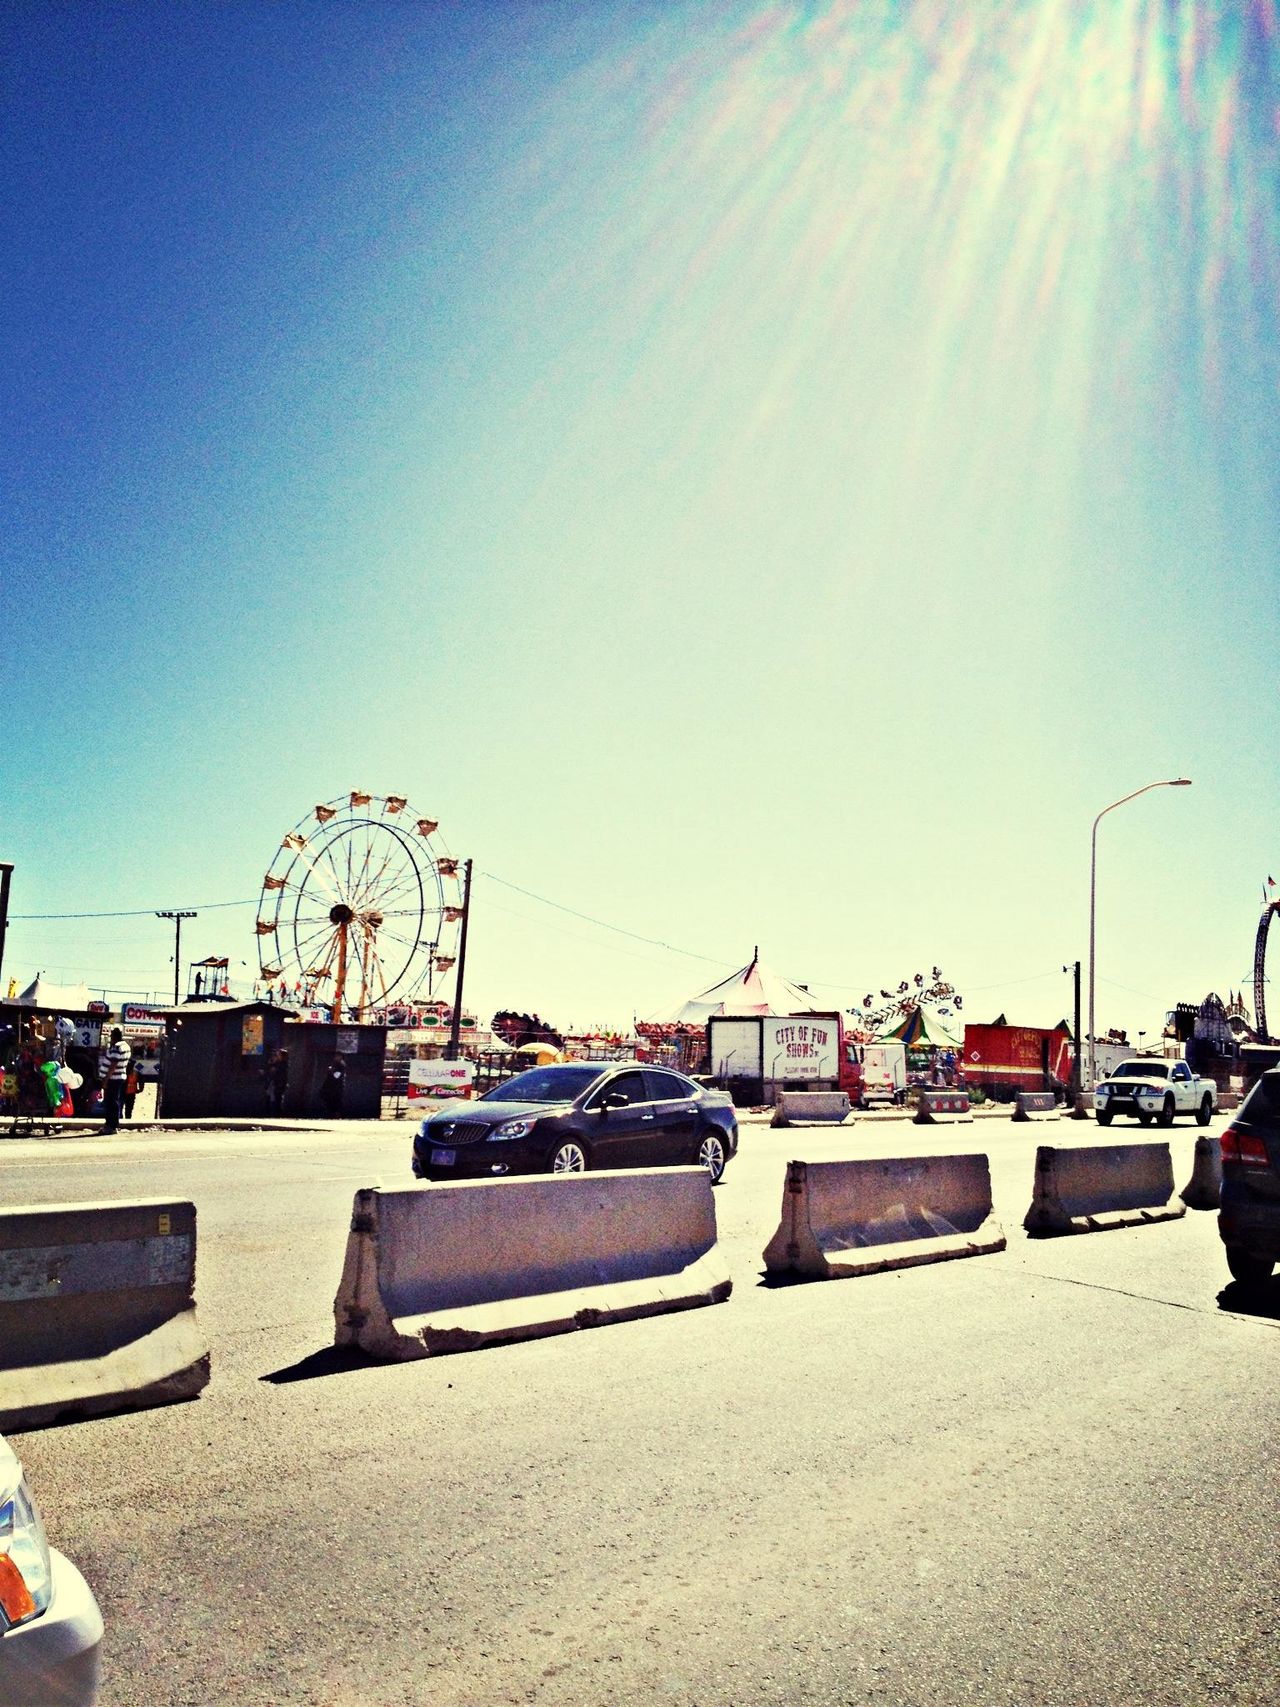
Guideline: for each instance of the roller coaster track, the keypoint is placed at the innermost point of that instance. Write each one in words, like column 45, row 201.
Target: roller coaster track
column 1260, row 971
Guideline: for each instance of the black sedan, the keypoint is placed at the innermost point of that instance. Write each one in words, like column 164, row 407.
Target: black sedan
column 565, row 1119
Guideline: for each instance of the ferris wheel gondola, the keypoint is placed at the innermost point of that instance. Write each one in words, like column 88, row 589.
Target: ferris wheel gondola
column 360, row 906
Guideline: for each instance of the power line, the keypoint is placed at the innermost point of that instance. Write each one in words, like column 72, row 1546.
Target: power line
column 133, row 913
column 560, row 907
column 653, row 942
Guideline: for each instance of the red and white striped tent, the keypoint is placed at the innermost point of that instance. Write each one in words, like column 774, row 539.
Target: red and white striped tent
column 753, row 989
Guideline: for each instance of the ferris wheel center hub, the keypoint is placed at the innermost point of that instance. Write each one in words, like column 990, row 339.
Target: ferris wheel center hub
column 341, row 914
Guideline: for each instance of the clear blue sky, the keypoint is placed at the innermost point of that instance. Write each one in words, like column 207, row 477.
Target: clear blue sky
column 755, row 473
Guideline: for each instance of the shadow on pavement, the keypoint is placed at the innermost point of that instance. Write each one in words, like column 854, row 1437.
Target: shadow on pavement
column 333, row 1360
column 776, row 1282
column 1261, row 1301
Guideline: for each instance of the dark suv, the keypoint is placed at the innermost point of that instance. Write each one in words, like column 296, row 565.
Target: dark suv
column 582, row 1114
column 1249, row 1218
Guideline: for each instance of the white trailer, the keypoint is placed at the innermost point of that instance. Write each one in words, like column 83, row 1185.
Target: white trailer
column 757, row 1055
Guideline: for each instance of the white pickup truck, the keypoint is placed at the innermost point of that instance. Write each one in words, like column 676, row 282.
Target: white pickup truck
column 1154, row 1090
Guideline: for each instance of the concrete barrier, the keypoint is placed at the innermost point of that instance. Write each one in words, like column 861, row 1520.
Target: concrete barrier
column 943, row 1108
column 452, row 1267
column 97, row 1310
column 795, row 1107
column 1096, row 1187
column 1204, row 1189
column 1228, row 1101
column 1035, row 1105
column 861, row 1217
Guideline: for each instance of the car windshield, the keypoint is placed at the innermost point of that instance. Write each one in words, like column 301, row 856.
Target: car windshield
column 544, row 1084
column 1141, row 1070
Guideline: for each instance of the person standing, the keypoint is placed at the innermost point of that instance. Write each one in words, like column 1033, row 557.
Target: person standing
column 119, row 1058
column 132, row 1085
column 277, row 1081
column 332, row 1091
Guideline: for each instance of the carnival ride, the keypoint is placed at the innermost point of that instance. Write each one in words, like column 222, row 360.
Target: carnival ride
column 1270, row 906
column 909, row 998
column 361, row 903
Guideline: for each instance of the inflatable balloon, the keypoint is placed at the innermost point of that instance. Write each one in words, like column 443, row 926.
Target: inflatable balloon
column 52, row 1084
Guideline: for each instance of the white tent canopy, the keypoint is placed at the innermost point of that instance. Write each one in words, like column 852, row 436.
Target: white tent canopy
column 753, row 989
column 62, row 998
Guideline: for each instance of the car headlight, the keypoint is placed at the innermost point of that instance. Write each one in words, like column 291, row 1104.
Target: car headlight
column 515, row 1128
column 26, row 1579
column 1103, row 1091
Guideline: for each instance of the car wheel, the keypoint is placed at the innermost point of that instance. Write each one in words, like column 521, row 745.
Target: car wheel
column 1103, row 1117
column 711, row 1154
column 1204, row 1114
column 1166, row 1113
column 568, row 1158
column 1248, row 1269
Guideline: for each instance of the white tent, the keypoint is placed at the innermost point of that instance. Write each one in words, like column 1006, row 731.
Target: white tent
column 61, row 998
column 753, row 989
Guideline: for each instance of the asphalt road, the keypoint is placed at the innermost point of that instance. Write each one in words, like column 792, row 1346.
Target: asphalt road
column 1046, row 1476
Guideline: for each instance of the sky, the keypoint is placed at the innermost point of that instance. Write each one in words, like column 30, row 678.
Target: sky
column 756, row 474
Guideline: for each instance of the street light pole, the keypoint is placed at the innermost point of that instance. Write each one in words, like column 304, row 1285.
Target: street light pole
column 1168, row 782
column 177, row 946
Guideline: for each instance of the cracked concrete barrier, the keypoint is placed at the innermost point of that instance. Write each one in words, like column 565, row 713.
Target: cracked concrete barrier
column 865, row 1216
column 796, row 1107
column 465, row 1264
column 1095, row 1187
column 97, row 1310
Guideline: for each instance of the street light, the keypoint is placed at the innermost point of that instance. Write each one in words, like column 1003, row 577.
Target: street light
column 1170, row 782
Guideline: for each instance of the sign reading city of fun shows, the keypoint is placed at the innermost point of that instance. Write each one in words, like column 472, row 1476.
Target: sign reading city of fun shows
column 441, row 1078
column 815, row 1043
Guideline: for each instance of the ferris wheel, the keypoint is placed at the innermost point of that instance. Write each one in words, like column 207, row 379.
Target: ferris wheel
column 361, row 904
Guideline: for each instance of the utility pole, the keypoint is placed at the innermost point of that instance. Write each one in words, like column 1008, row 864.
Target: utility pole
column 6, row 872
column 1077, row 1079
column 456, row 1027
column 177, row 947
